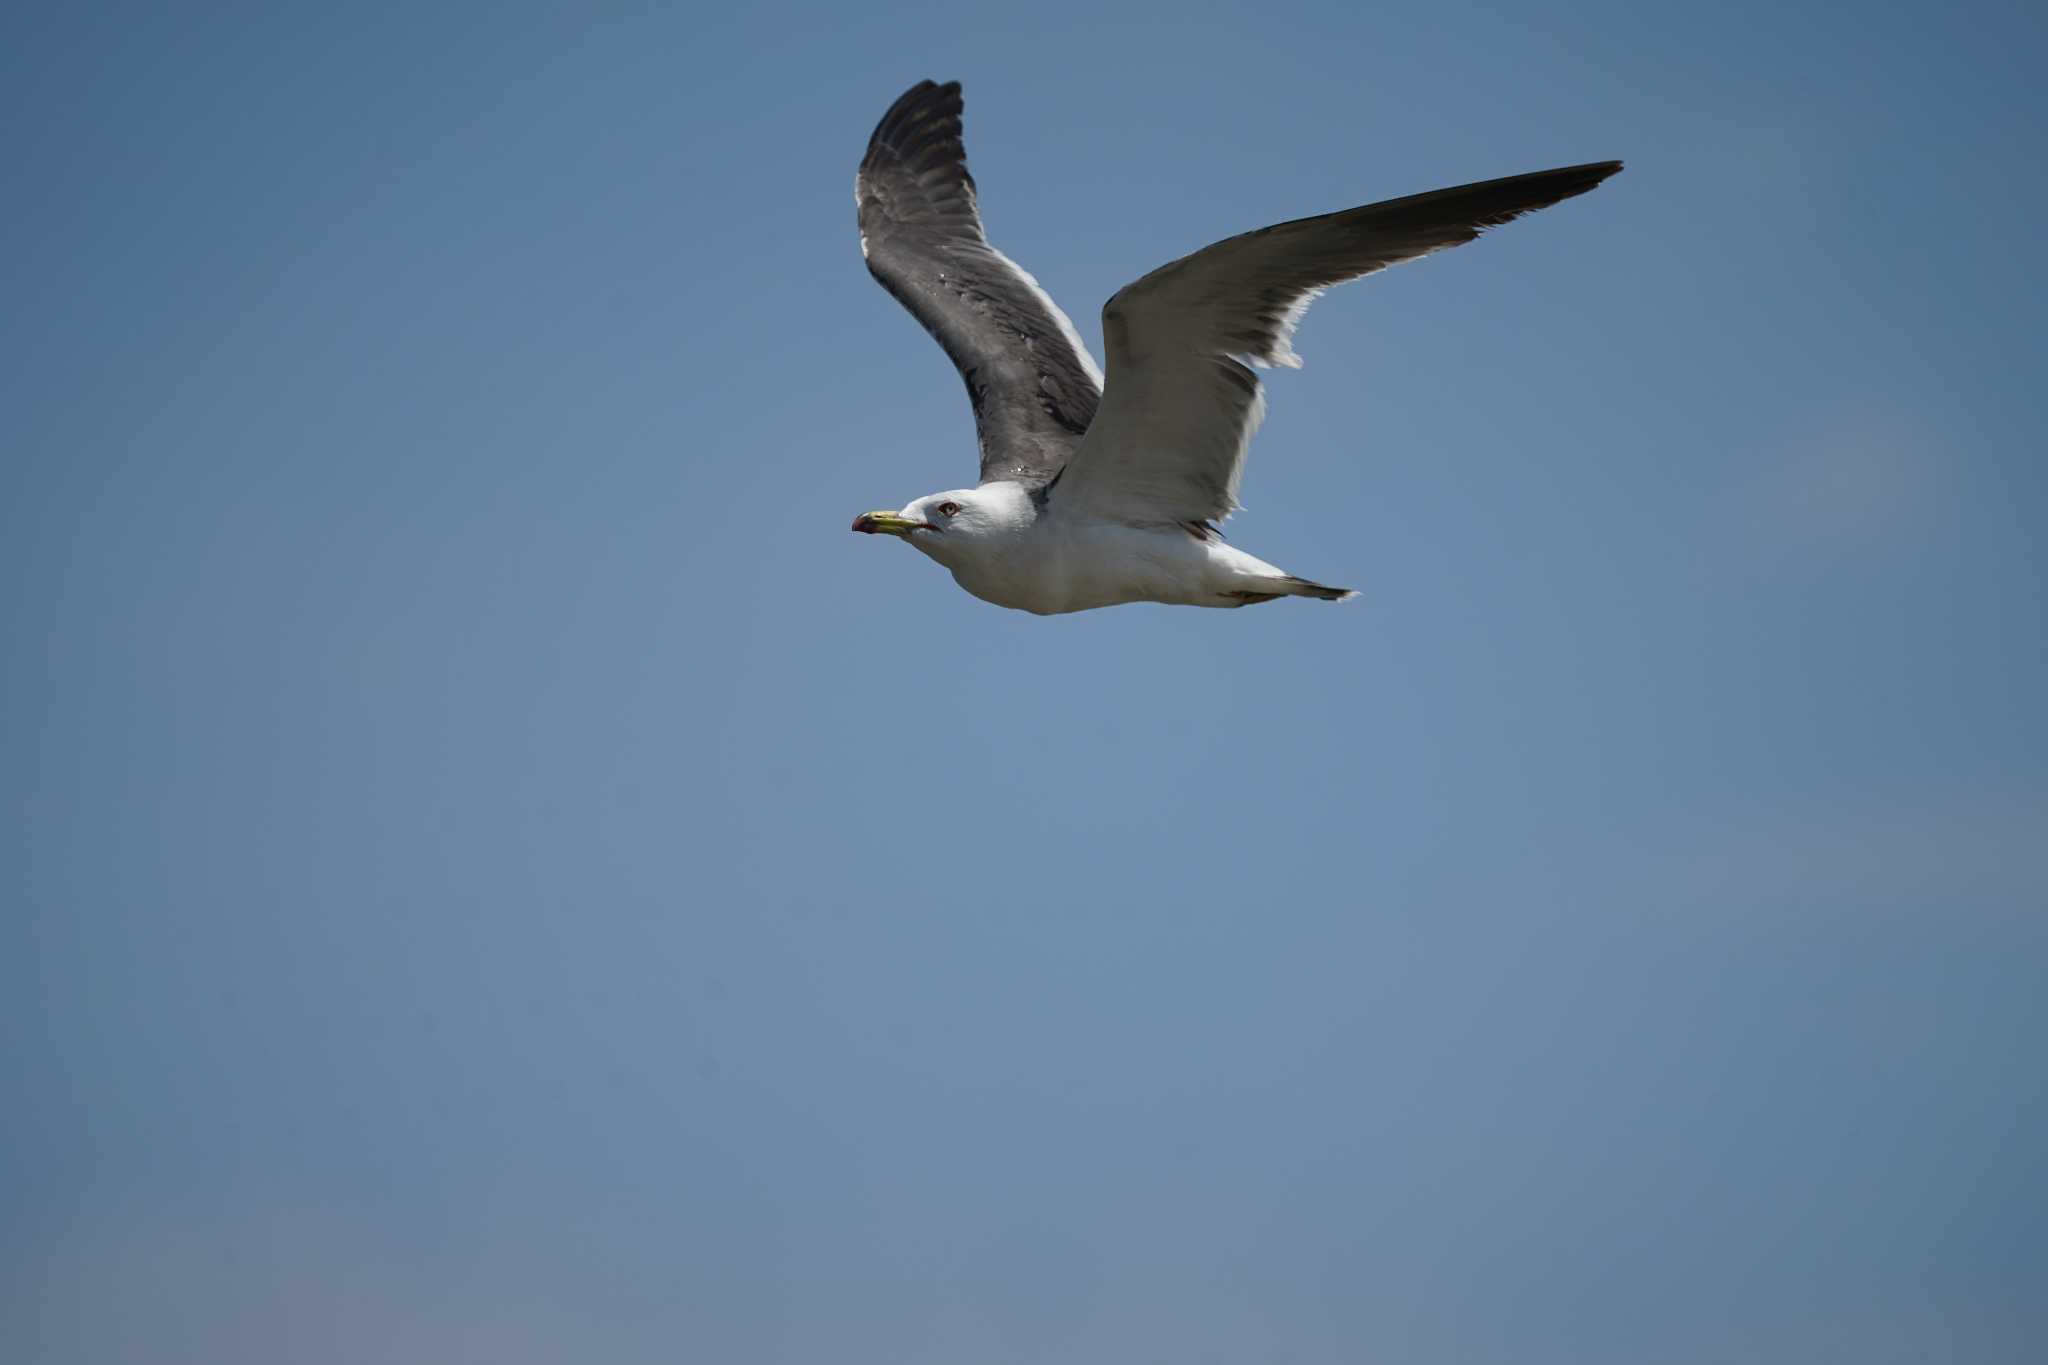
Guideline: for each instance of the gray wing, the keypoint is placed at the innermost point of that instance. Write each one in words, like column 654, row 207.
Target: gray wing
column 1169, row 442
column 1033, row 384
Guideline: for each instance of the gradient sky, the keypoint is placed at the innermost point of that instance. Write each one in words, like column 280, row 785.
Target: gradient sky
column 493, row 871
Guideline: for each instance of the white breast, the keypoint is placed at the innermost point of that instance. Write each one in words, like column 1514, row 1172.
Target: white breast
column 1061, row 568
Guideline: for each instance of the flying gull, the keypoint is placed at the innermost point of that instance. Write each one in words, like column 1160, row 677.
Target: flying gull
column 1092, row 496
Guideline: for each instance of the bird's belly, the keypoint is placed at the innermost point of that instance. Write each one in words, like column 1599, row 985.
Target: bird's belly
column 1102, row 566
column 1043, row 590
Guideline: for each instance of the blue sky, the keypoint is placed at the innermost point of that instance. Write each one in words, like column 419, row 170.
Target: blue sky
column 494, row 871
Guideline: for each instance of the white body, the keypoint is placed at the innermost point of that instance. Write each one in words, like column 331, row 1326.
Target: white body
column 1058, row 568
column 1003, row 550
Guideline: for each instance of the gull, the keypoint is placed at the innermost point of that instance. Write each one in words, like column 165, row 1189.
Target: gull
column 1092, row 496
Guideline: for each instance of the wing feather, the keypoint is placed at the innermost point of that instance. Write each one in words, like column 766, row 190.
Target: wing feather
column 1169, row 442
column 1032, row 382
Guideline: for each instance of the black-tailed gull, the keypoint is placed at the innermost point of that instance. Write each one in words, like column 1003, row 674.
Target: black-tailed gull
column 1092, row 496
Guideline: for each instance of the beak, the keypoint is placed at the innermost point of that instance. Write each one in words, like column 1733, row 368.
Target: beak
column 888, row 524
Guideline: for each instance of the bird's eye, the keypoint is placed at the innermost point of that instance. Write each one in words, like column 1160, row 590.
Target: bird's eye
column 949, row 509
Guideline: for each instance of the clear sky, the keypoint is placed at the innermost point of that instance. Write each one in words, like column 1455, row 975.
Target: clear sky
column 494, row 871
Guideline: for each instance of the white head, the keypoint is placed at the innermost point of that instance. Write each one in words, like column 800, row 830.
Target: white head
column 958, row 526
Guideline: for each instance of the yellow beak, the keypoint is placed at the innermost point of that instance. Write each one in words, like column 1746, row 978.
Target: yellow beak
column 887, row 524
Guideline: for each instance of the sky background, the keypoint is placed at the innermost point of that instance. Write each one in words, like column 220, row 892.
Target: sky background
column 493, row 871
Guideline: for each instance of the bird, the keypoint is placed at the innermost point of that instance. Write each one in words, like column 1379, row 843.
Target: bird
column 1091, row 494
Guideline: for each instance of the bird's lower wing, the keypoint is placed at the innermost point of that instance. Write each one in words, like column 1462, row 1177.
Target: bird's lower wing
column 1169, row 440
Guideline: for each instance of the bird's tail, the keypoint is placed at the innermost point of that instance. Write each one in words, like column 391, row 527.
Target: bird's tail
column 1301, row 587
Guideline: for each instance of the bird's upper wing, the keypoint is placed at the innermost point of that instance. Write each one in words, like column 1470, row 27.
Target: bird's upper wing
column 1169, row 442
column 1033, row 384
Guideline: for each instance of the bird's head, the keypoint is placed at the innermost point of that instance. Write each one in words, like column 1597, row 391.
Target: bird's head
column 953, row 527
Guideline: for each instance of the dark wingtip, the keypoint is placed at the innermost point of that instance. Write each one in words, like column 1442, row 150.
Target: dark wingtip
column 927, row 113
column 1599, row 171
column 1567, row 181
column 924, row 93
column 1491, row 203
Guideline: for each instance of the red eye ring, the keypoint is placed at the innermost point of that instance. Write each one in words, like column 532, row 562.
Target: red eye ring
column 949, row 509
